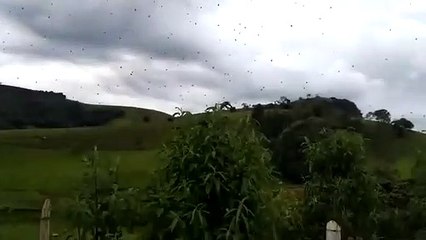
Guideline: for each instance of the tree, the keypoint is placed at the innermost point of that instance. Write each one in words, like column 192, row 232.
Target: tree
column 338, row 187
column 284, row 102
column 215, row 184
column 381, row 115
column 401, row 125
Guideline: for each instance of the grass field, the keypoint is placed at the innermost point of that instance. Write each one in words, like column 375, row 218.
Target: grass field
column 47, row 163
column 28, row 176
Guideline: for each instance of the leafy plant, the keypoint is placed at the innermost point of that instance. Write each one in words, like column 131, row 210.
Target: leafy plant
column 100, row 210
column 338, row 188
column 216, row 183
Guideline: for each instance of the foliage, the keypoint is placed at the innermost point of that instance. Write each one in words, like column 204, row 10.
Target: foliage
column 325, row 107
column 180, row 113
column 403, row 211
column 338, row 188
column 401, row 125
column 215, row 183
column 381, row 115
column 403, row 122
column 288, row 155
column 101, row 211
column 283, row 102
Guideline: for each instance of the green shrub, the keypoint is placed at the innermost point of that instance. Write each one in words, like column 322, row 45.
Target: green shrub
column 216, row 184
column 338, row 188
column 100, row 211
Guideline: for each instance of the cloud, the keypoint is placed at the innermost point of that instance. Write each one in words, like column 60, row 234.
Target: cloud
column 161, row 54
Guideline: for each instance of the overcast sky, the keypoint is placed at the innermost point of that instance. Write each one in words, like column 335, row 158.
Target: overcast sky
column 189, row 53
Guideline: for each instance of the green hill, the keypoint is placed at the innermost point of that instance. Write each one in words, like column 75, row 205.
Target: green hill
column 23, row 108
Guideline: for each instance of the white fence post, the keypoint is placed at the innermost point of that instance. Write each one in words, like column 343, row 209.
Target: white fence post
column 45, row 221
column 333, row 231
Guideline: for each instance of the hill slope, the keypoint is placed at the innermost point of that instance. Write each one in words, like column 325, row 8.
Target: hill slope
column 24, row 108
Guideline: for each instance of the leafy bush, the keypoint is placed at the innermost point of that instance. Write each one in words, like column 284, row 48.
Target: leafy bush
column 100, row 211
column 338, row 188
column 288, row 155
column 216, row 184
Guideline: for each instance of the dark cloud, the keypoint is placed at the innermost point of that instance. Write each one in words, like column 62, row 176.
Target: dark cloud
column 155, row 28
column 191, row 53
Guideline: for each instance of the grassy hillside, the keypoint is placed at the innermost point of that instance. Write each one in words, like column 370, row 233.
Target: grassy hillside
column 24, row 108
column 47, row 163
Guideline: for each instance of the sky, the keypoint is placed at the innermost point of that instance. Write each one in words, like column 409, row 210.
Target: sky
column 164, row 54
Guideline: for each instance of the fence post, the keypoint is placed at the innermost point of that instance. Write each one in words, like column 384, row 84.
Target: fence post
column 45, row 221
column 333, row 231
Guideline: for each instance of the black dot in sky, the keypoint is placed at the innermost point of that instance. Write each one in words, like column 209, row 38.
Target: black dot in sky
column 149, row 16
column 415, row 39
column 291, row 25
column 134, row 9
column 353, row 66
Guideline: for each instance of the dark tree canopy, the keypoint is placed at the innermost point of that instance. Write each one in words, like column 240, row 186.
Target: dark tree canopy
column 404, row 123
column 381, row 115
